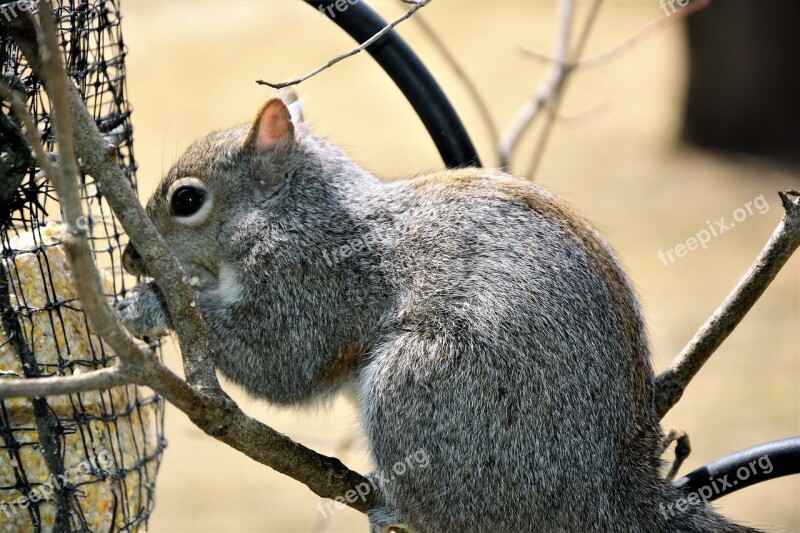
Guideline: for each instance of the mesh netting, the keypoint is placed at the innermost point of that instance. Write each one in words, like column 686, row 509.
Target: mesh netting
column 82, row 462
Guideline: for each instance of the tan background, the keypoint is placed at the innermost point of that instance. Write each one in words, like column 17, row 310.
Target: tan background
column 192, row 66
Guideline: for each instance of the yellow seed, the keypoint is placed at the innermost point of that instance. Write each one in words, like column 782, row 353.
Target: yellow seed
column 61, row 336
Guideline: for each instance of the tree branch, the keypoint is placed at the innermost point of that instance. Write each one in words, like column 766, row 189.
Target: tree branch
column 99, row 379
column 555, row 99
column 99, row 159
column 630, row 42
column 466, row 81
column 550, row 92
column 638, row 37
column 558, row 71
column 784, row 241
column 102, row 379
column 200, row 397
column 416, row 5
column 65, row 179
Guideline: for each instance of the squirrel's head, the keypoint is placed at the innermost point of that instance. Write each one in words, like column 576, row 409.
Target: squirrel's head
column 216, row 176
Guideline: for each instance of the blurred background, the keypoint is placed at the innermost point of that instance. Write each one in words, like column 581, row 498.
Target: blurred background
column 615, row 154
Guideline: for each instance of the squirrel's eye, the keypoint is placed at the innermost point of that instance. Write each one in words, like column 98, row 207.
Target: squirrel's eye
column 186, row 201
column 190, row 201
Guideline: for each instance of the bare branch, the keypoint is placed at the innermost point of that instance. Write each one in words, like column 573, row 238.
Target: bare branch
column 100, row 379
column 21, row 111
column 416, row 5
column 582, row 116
column 538, row 56
column 472, row 89
column 99, row 159
column 631, row 42
column 104, row 378
column 65, row 178
column 565, row 66
column 558, row 70
column 645, row 32
column 558, row 91
column 86, row 279
column 784, row 241
column 201, row 398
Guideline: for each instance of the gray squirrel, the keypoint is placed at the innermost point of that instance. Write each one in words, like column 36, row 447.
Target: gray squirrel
column 476, row 319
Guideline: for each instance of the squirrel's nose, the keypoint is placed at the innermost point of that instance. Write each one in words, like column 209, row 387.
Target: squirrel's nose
column 132, row 261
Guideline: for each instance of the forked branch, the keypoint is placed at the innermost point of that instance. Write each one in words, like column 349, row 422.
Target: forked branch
column 200, row 397
column 563, row 63
column 548, row 95
column 466, row 81
column 780, row 247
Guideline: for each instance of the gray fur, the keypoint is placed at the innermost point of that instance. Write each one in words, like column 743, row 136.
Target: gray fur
column 482, row 322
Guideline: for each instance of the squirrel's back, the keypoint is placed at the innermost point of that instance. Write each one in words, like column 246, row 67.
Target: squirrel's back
column 518, row 329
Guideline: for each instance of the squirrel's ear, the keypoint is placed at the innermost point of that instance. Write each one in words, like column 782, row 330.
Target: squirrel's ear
column 271, row 128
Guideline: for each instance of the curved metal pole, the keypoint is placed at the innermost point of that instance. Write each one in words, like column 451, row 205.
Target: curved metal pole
column 412, row 78
column 744, row 468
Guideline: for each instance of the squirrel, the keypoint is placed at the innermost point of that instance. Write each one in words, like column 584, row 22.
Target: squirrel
column 477, row 320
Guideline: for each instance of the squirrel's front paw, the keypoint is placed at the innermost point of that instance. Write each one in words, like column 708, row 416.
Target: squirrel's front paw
column 144, row 313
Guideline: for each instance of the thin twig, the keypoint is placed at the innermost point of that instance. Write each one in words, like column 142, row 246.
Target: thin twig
column 683, row 449
column 633, row 41
column 21, row 111
column 538, row 56
column 530, row 109
column 574, row 62
column 629, row 43
column 360, row 48
column 466, row 81
column 582, row 116
column 784, row 241
column 555, row 99
column 102, row 379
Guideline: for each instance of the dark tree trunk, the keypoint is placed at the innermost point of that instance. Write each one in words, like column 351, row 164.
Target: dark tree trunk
column 744, row 79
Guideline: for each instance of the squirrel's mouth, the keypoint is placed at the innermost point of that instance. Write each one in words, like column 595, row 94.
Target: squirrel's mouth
column 200, row 276
column 132, row 262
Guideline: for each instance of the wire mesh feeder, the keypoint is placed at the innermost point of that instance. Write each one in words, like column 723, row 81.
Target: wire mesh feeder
column 83, row 462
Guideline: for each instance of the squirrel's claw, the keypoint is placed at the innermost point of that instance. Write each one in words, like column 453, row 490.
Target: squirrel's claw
column 144, row 313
